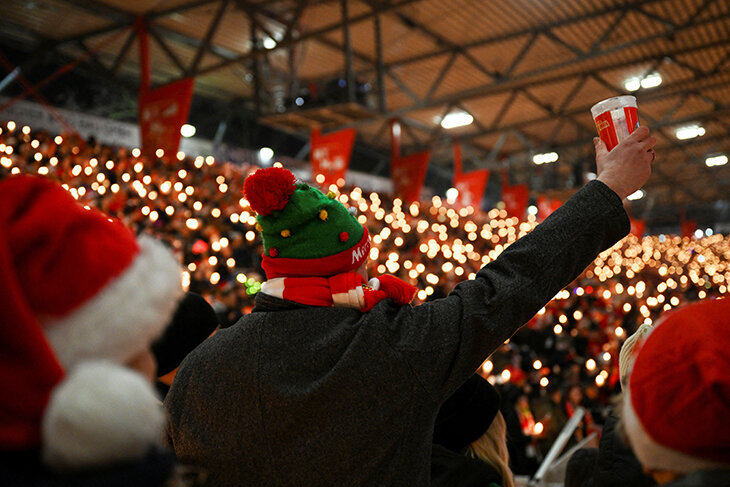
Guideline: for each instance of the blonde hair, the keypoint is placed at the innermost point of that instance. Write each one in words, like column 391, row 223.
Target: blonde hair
column 491, row 448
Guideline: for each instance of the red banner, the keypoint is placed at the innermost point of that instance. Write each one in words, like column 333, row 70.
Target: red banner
column 408, row 174
column 457, row 159
column 545, row 206
column 330, row 156
column 162, row 112
column 471, row 186
column 515, row 199
column 688, row 228
column 395, row 129
column 638, row 227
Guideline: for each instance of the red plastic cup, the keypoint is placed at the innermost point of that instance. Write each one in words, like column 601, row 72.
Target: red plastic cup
column 615, row 119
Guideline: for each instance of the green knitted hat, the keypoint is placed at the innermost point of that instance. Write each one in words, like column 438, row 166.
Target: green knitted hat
column 305, row 233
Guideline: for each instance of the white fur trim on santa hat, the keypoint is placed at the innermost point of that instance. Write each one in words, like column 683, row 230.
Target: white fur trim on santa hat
column 126, row 316
column 102, row 413
column 654, row 455
column 626, row 356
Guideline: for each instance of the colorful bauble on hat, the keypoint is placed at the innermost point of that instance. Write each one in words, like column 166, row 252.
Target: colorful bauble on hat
column 77, row 286
column 305, row 232
column 676, row 405
column 467, row 414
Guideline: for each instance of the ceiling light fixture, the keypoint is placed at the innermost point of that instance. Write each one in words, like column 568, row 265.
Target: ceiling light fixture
column 637, row 195
column 690, row 131
column 455, row 119
column 716, row 160
column 545, row 158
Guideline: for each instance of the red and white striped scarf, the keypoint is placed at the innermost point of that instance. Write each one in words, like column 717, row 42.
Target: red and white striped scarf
column 346, row 290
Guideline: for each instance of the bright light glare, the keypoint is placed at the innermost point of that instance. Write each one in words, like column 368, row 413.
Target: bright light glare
column 651, row 80
column 269, row 43
column 545, row 158
column 456, row 119
column 266, row 154
column 187, row 130
column 632, row 84
column 637, row 195
column 719, row 160
column 690, row 132
column 451, row 195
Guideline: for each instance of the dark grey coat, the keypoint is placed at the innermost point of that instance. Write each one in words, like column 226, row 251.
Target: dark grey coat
column 332, row 396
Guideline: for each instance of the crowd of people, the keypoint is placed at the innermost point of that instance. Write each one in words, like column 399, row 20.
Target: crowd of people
column 566, row 357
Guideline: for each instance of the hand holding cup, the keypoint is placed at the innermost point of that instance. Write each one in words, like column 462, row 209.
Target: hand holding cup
column 627, row 167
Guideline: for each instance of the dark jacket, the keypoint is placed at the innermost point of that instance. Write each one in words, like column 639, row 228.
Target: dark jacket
column 25, row 469
column 617, row 465
column 451, row 469
column 703, row 478
column 293, row 396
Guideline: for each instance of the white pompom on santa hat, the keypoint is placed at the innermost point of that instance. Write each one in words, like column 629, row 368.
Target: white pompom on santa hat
column 77, row 287
column 676, row 408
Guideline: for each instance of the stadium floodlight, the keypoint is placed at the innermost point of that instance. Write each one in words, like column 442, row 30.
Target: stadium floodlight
column 716, row 160
column 637, row 195
column 187, row 130
column 455, row 119
column 632, row 84
column 651, row 80
column 545, row 158
column 690, row 131
column 266, row 154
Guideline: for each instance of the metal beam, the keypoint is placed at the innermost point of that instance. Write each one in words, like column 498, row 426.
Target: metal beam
column 524, row 80
column 380, row 65
column 349, row 73
column 122, row 55
column 315, row 34
column 524, row 32
column 168, row 52
column 205, row 44
column 440, row 77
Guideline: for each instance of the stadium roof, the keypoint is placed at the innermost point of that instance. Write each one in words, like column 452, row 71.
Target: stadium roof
column 528, row 72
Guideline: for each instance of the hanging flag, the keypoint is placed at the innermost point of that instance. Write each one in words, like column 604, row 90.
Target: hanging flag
column 457, row 159
column 330, row 156
column 162, row 111
column 638, row 227
column 395, row 138
column 471, row 186
column 546, row 205
column 688, row 228
column 515, row 199
column 408, row 174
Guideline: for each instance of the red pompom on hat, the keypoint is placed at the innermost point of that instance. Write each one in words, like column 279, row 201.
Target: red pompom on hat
column 269, row 189
column 676, row 409
column 77, row 287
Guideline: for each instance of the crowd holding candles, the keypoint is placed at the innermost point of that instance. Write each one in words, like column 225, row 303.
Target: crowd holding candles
column 196, row 205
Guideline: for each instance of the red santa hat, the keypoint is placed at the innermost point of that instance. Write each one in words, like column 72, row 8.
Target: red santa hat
column 76, row 287
column 676, row 409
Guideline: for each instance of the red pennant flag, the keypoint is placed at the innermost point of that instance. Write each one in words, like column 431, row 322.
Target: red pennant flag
column 471, row 186
column 545, row 206
column 408, row 174
column 162, row 112
column 515, row 199
column 638, row 227
column 330, row 156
